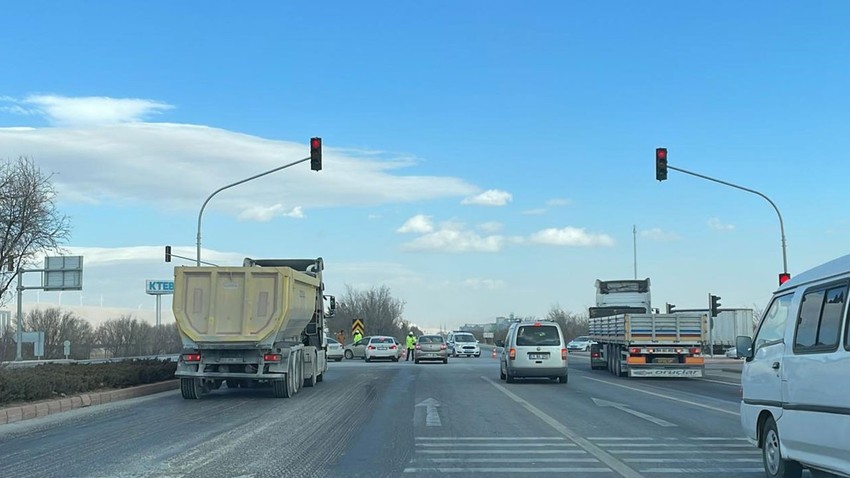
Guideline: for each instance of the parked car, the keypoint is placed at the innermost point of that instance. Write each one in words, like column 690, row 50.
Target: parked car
column 431, row 347
column 357, row 349
column 794, row 381
column 381, row 347
column 334, row 350
column 534, row 349
column 463, row 344
column 582, row 344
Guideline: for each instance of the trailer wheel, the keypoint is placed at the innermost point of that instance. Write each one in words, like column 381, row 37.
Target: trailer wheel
column 191, row 388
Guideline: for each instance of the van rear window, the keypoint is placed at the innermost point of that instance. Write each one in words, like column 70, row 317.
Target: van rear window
column 530, row 335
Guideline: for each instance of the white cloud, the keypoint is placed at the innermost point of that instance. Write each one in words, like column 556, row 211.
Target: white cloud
column 170, row 166
column 490, row 227
column 265, row 214
column 491, row 197
column 714, row 223
column 419, row 223
column 657, row 234
column 534, row 212
column 558, row 202
column 89, row 110
column 100, row 256
column 455, row 240
column 570, row 236
column 484, row 284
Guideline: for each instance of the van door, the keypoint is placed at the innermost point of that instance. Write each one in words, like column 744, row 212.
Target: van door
column 762, row 377
column 816, row 423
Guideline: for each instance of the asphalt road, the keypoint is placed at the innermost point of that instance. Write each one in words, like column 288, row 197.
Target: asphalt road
column 404, row 420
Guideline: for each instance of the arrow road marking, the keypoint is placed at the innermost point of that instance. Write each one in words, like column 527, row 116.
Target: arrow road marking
column 432, row 416
column 625, row 408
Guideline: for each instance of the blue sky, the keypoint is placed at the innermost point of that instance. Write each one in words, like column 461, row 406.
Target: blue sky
column 482, row 158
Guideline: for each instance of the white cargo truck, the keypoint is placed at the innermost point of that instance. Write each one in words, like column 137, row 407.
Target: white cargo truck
column 632, row 340
column 259, row 324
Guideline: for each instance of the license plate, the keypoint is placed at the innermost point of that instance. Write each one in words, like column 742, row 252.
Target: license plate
column 382, row 348
column 538, row 356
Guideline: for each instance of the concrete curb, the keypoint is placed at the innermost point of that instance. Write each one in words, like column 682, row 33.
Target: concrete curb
column 49, row 407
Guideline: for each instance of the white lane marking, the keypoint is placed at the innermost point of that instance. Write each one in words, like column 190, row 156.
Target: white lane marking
column 718, row 438
column 496, row 452
column 622, row 438
column 618, row 466
column 625, row 408
column 513, row 460
column 491, row 445
column 691, row 471
column 489, row 438
column 512, row 471
column 684, row 445
column 691, row 460
column 685, row 452
column 654, row 394
column 432, row 416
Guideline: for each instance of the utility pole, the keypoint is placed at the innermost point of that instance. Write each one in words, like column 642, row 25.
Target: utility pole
column 634, row 243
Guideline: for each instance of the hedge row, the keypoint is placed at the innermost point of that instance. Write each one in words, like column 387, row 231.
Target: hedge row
column 57, row 380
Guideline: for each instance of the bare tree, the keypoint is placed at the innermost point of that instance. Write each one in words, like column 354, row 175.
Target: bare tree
column 30, row 224
column 572, row 325
column 59, row 326
column 380, row 312
column 126, row 337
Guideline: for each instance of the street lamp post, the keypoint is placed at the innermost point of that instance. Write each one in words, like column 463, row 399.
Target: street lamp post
column 201, row 213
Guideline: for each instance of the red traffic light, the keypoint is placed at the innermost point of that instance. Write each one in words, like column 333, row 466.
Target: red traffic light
column 315, row 143
column 316, row 154
column 784, row 277
column 661, row 153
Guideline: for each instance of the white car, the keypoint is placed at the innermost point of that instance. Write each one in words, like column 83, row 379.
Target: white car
column 334, row 350
column 462, row 344
column 382, row 347
column 582, row 344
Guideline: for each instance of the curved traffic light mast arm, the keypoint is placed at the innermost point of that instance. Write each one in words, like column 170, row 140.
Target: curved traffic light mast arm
column 201, row 213
column 781, row 224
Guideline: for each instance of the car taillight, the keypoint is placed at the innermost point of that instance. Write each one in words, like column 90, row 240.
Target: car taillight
column 371, row 347
column 563, row 354
column 694, row 350
column 594, row 354
column 272, row 357
column 442, row 346
column 192, row 357
column 512, row 354
column 392, row 347
column 418, row 347
column 634, row 350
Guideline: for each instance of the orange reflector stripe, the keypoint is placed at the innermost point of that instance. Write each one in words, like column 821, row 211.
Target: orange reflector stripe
column 636, row 360
column 694, row 360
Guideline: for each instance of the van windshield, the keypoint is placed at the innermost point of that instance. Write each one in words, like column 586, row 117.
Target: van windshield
column 464, row 338
column 530, row 335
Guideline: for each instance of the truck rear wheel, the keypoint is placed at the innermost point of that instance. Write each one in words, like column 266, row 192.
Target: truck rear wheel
column 311, row 382
column 281, row 388
column 191, row 388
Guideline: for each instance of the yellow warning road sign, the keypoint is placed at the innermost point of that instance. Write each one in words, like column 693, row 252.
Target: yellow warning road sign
column 357, row 326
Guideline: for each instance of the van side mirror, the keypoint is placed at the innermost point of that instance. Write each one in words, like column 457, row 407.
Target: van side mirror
column 744, row 347
column 500, row 343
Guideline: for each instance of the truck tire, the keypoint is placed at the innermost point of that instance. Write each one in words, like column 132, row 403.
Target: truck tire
column 281, row 389
column 191, row 388
column 311, row 382
column 775, row 466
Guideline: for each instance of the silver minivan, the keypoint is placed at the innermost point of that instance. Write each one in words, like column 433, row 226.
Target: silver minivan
column 534, row 349
column 796, row 379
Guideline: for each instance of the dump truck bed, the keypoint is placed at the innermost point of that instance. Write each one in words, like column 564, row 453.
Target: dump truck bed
column 243, row 305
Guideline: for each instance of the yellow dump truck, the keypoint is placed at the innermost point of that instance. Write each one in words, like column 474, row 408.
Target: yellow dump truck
column 259, row 324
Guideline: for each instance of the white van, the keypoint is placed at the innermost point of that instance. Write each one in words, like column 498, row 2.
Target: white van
column 796, row 378
column 534, row 349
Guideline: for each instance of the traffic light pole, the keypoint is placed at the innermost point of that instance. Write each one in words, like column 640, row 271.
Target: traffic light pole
column 201, row 213
column 781, row 224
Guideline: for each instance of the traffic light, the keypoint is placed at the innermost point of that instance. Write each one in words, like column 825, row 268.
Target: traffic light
column 661, row 164
column 784, row 277
column 167, row 253
column 670, row 307
column 316, row 154
column 715, row 305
